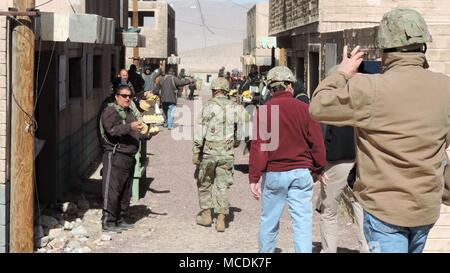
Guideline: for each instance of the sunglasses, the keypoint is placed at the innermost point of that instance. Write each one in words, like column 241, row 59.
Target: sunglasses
column 125, row 96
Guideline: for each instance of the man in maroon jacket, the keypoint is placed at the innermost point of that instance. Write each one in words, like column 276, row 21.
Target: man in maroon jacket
column 288, row 151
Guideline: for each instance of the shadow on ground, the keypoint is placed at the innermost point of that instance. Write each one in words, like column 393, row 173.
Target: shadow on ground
column 243, row 168
column 317, row 247
column 231, row 215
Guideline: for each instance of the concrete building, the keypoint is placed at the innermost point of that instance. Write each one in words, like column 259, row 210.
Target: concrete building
column 312, row 34
column 259, row 47
column 157, row 24
column 77, row 54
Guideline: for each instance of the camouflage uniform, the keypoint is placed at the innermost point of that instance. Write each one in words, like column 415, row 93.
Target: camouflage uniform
column 218, row 130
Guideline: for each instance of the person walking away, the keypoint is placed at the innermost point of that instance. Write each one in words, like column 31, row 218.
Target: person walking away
column 136, row 80
column 149, row 85
column 168, row 86
column 340, row 154
column 192, row 87
column 287, row 153
column 401, row 137
column 218, row 130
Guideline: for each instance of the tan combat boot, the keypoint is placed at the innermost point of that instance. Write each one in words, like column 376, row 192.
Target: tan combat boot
column 220, row 225
column 204, row 218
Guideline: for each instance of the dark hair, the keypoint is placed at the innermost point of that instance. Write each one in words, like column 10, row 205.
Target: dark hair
column 122, row 87
column 279, row 87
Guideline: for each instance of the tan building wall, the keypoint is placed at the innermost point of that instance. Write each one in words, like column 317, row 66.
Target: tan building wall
column 258, row 30
column 160, row 40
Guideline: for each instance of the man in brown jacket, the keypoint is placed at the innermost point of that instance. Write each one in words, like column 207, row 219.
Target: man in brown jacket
column 401, row 120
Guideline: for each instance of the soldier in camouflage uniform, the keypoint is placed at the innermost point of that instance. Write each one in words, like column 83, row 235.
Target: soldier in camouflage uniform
column 218, row 131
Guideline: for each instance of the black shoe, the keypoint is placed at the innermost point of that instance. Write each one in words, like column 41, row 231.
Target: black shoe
column 124, row 226
column 111, row 228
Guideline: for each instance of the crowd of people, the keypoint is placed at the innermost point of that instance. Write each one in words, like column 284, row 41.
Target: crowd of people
column 372, row 138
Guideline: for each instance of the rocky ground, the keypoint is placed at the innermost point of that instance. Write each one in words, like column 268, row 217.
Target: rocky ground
column 165, row 214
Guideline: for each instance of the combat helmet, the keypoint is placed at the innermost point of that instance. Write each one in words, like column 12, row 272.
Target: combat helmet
column 402, row 28
column 220, row 84
column 279, row 75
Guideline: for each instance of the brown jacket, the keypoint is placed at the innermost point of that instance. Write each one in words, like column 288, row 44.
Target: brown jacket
column 401, row 120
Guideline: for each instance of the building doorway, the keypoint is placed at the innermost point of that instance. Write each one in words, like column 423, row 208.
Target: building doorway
column 300, row 69
column 314, row 61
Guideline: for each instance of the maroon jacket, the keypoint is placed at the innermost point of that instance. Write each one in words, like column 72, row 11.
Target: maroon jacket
column 300, row 142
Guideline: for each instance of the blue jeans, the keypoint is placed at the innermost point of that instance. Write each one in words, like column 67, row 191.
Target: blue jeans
column 386, row 238
column 295, row 187
column 169, row 111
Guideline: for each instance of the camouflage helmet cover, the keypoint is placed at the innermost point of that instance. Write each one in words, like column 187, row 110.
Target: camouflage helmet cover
column 402, row 27
column 220, row 84
column 279, row 75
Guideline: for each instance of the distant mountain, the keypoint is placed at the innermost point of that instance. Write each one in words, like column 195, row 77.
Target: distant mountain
column 225, row 19
column 211, row 59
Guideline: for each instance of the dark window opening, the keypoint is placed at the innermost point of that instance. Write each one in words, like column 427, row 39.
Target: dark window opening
column 75, row 78
column 300, row 71
column 145, row 19
column 313, row 71
column 97, row 72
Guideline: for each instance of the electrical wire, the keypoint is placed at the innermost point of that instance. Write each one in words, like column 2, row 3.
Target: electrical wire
column 73, row 9
column 203, row 18
column 43, row 4
column 213, row 27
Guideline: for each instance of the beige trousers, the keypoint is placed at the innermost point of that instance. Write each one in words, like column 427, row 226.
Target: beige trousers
column 330, row 195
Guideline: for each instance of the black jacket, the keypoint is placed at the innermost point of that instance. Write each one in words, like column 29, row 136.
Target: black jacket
column 339, row 142
column 118, row 131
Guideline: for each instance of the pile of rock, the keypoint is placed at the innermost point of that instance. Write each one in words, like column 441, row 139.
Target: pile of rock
column 71, row 227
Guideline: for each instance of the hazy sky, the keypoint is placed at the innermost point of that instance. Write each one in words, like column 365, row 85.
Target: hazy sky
column 224, row 22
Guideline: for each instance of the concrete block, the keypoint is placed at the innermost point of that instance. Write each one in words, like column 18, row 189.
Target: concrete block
column 2, row 69
column 2, row 57
column 2, row 93
column 2, row 165
column 440, row 232
column 2, row 32
column 3, row 81
column 2, row 235
column 438, row 245
column 3, row 141
column 2, row 106
column 447, row 68
column 2, row 120
column 3, row 220
column 437, row 67
column 2, row 179
column 445, row 209
column 2, row 45
column 444, row 220
column 2, row 128
column 439, row 29
column 2, row 153
column 3, row 195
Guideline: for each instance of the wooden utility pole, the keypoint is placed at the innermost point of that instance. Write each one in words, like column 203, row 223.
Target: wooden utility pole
column 135, row 23
column 22, row 132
